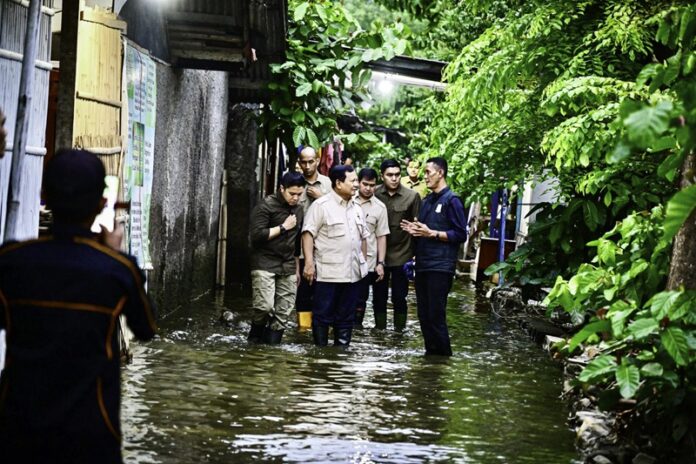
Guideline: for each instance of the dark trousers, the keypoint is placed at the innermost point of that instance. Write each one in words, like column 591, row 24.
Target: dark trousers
column 334, row 304
column 399, row 288
column 305, row 292
column 432, row 289
column 364, row 291
column 92, row 443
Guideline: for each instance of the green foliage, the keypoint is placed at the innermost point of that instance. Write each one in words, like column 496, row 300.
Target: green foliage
column 409, row 110
column 651, row 346
column 516, row 106
column 646, row 332
column 601, row 96
column 557, row 244
column 323, row 75
column 450, row 25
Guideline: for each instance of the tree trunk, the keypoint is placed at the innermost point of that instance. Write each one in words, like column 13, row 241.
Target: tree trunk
column 682, row 270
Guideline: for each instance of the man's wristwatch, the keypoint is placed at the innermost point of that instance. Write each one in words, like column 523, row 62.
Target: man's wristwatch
column 282, row 229
column 380, row 263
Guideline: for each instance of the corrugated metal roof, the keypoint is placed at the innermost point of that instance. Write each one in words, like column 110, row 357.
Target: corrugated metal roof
column 221, row 34
column 239, row 36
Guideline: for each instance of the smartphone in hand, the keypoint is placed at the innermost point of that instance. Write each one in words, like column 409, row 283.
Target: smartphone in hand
column 108, row 215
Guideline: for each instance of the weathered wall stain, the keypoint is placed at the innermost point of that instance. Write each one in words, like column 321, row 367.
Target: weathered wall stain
column 189, row 159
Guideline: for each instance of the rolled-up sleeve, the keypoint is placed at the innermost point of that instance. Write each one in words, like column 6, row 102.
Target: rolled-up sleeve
column 457, row 216
column 313, row 219
column 259, row 230
column 382, row 223
column 360, row 217
column 415, row 207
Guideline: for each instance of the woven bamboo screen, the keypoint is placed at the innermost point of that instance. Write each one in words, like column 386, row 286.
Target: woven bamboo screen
column 13, row 24
column 98, row 103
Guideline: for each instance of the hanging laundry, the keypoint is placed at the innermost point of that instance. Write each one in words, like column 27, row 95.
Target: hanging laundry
column 327, row 159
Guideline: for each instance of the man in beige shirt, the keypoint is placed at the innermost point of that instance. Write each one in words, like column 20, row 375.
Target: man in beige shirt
column 378, row 226
column 334, row 245
column 317, row 186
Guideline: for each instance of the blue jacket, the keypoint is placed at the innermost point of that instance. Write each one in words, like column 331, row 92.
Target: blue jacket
column 436, row 212
column 60, row 298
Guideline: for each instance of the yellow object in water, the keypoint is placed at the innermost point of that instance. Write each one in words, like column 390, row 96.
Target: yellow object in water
column 304, row 320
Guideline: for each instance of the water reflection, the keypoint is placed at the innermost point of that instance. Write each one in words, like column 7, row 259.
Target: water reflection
column 200, row 394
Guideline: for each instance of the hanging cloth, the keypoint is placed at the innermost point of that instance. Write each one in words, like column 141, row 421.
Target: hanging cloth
column 327, row 159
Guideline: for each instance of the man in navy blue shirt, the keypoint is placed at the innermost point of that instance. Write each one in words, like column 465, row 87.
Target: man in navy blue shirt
column 60, row 300
column 439, row 231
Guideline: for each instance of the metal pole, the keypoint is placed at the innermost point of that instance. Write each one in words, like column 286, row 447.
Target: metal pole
column 26, row 82
column 501, row 246
column 495, row 198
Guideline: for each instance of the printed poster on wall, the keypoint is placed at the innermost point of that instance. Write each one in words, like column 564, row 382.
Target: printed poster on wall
column 141, row 85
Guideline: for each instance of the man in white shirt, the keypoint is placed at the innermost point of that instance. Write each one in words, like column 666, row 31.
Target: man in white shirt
column 334, row 245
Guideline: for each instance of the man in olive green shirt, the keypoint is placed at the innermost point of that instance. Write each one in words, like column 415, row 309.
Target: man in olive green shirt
column 275, row 239
column 402, row 203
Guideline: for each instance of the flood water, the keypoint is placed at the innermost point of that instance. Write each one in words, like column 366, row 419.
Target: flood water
column 200, row 393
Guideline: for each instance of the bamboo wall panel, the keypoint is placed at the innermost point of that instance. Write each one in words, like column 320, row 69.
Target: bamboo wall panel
column 98, row 104
column 13, row 21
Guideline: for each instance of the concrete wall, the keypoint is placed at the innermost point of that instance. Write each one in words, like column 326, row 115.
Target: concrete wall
column 147, row 26
column 189, row 159
column 242, row 187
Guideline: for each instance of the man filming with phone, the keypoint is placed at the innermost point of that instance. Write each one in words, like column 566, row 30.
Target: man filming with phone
column 60, row 300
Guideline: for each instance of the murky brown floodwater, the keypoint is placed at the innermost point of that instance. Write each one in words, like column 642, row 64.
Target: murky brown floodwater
column 200, row 393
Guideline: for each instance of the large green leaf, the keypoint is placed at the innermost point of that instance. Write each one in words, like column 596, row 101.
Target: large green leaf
column 606, row 250
column 590, row 329
column 303, row 89
column 691, row 340
column 628, row 379
column 641, row 328
column 591, row 215
column 670, row 165
column 674, row 341
column 321, row 12
column 661, row 303
column 298, row 117
column 679, row 208
column 649, row 123
column 618, row 313
column 652, row 369
column 598, row 367
column 369, row 136
column 300, row 11
column 312, row 138
column 298, row 135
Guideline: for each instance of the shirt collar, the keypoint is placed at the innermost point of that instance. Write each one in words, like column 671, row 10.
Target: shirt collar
column 340, row 200
column 309, row 182
column 440, row 193
column 362, row 201
column 280, row 199
column 396, row 192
